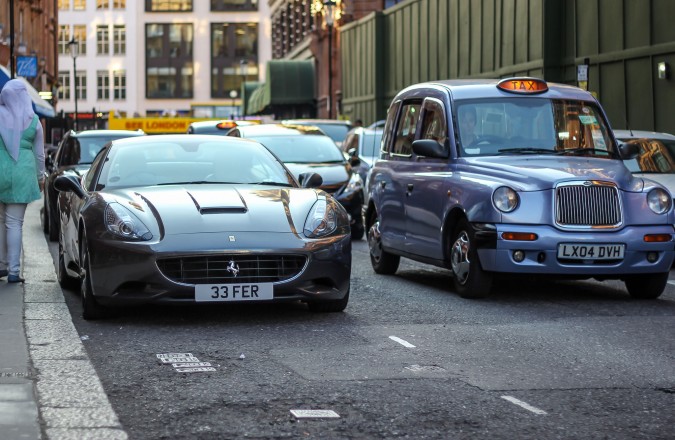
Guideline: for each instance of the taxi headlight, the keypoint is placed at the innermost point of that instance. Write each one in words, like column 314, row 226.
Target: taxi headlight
column 355, row 183
column 124, row 224
column 659, row 200
column 505, row 199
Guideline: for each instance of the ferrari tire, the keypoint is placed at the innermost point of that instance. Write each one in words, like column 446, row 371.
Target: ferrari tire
column 469, row 278
column 65, row 281
column 54, row 225
column 44, row 214
column 332, row 306
column 382, row 261
column 91, row 309
column 648, row 286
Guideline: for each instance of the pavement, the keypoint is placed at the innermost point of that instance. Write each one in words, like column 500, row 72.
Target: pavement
column 49, row 389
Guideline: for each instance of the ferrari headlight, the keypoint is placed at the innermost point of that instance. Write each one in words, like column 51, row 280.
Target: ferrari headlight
column 355, row 183
column 324, row 218
column 658, row 200
column 505, row 199
column 124, row 224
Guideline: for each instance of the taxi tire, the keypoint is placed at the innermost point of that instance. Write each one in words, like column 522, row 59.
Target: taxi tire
column 331, row 306
column 91, row 309
column 648, row 286
column 477, row 283
column 384, row 263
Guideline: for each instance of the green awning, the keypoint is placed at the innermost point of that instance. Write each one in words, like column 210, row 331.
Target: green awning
column 289, row 82
column 247, row 89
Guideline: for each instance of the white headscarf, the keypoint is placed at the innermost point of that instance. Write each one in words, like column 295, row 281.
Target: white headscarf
column 16, row 114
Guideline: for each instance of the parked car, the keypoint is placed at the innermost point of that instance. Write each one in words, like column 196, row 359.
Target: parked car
column 335, row 128
column 656, row 159
column 200, row 219
column 220, row 127
column 306, row 148
column 73, row 155
column 514, row 177
column 362, row 147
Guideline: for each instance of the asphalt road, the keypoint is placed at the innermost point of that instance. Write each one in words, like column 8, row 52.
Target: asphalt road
column 407, row 359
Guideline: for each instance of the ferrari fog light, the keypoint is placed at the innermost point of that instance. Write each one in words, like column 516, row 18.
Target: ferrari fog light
column 652, row 257
column 518, row 256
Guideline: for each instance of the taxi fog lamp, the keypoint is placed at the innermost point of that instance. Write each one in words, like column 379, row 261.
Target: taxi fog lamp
column 505, row 199
column 519, row 236
column 652, row 257
column 657, row 238
column 658, row 200
column 518, row 256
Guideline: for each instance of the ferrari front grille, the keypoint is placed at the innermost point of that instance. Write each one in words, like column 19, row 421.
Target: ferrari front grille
column 231, row 269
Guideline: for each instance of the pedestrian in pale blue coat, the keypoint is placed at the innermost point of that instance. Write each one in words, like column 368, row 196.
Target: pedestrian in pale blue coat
column 22, row 171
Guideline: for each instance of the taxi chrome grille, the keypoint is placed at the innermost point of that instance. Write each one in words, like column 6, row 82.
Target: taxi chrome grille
column 221, row 268
column 584, row 204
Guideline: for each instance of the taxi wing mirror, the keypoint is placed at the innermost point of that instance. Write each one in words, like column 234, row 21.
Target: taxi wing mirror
column 628, row 150
column 430, row 148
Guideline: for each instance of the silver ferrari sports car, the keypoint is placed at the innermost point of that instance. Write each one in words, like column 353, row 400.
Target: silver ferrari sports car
column 199, row 219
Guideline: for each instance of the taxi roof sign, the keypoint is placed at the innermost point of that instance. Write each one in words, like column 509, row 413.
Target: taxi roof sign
column 224, row 125
column 523, row 86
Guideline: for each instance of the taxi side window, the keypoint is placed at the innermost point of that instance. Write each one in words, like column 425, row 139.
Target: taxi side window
column 434, row 125
column 388, row 125
column 407, row 125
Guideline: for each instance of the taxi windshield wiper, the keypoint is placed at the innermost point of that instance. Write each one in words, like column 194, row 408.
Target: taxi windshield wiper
column 585, row 150
column 527, row 150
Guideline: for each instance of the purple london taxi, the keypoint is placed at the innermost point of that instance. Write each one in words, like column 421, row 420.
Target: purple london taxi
column 514, row 176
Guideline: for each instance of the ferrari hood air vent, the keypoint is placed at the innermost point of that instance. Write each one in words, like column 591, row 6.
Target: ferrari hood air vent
column 218, row 202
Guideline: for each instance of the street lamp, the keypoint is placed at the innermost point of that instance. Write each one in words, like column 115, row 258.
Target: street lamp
column 74, row 52
column 233, row 95
column 329, row 19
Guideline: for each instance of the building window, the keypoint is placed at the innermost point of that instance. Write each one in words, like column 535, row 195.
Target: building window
column 102, row 40
column 234, row 56
column 79, row 5
column 81, row 84
column 80, row 35
column 102, row 85
column 64, row 91
column 102, row 4
column 168, row 5
column 234, row 5
column 64, row 5
column 64, row 38
column 169, row 64
column 120, row 85
column 119, row 39
column 119, row 4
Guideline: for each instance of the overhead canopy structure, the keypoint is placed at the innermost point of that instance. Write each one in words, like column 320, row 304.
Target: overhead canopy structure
column 288, row 83
column 41, row 107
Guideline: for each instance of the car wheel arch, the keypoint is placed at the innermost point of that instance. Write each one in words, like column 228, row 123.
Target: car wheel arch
column 453, row 217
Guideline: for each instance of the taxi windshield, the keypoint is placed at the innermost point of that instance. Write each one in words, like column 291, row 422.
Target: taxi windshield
column 509, row 126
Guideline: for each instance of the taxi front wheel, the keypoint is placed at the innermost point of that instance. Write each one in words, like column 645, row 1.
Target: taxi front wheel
column 648, row 286
column 469, row 278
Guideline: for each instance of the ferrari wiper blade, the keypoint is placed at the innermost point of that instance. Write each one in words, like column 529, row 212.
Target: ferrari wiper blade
column 272, row 183
column 197, row 182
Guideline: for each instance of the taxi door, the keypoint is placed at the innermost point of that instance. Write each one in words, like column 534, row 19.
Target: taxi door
column 425, row 187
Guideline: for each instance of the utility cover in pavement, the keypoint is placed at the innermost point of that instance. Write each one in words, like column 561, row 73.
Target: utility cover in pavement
column 315, row 414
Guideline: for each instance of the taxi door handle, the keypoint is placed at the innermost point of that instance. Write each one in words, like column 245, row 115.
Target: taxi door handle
column 383, row 184
column 410, row 188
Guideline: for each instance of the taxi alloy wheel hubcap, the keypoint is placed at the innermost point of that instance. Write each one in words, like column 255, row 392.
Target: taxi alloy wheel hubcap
column 459, row 258
column 375, row 241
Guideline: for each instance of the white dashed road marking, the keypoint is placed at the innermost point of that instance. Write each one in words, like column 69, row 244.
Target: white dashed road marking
column 402, row 342
column 525, row 405
column 671, row 283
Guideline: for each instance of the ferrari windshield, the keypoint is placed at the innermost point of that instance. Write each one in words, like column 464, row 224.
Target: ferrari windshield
column 532, row 126
column 152, row 161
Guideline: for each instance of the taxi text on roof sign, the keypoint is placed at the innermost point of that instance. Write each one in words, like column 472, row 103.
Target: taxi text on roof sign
column 523, row 85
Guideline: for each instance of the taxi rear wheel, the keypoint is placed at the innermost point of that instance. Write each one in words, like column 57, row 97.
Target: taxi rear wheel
column 649, row 286
column 469, row 278
column 382, row 261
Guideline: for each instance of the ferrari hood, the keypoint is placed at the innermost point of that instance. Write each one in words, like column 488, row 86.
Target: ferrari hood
column 193, row 209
